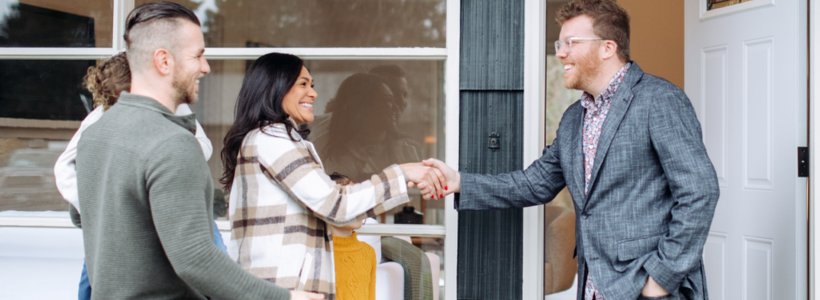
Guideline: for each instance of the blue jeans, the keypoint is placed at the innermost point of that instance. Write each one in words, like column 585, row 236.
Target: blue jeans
column 85, row 286
column 218, row 240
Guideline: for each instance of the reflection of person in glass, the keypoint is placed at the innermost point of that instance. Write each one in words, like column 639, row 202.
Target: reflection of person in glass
column 362, row 136
column 397, row 82
column 281, row 195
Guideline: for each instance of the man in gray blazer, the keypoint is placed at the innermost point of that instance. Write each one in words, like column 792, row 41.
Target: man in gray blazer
column 634, row 162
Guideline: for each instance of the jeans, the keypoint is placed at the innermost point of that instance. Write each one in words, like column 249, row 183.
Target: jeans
column 218, row 240
column 85, row 285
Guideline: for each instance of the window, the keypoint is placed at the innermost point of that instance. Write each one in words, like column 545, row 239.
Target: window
column 369, row 133
column 320, row 23
column 48, row 23
column 46, row 47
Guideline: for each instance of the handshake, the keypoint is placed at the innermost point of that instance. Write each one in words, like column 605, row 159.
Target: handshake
column 433, row 177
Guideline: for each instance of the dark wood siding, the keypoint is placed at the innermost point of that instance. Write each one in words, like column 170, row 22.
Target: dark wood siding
column 491, row 73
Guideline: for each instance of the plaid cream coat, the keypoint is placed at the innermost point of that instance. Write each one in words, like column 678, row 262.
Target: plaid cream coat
column 280, row 201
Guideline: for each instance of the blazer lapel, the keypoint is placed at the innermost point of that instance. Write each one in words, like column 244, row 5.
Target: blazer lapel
column 620, row 104
column 576, row 145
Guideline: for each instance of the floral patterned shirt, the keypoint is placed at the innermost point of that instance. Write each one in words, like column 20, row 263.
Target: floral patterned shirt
column 596, row 112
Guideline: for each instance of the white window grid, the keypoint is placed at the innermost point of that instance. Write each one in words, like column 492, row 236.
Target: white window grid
column 123, row 7
column 450, row 55
column 534, row 94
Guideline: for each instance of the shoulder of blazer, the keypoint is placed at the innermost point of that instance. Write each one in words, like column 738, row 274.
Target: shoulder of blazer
column 656, row 88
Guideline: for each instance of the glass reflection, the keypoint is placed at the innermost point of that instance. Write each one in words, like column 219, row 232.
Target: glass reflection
column 369, row 115
column 27, row 175
column 320, row 23
column 48, row 23
column 358, row 136
column 44, row 89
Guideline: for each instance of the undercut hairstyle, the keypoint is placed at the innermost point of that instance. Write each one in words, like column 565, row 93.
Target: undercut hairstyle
column 108, row 79
column 259, row 104
column 152, row 26
column 610, row 21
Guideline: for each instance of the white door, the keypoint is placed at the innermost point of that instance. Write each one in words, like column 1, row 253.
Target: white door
column 746, row 76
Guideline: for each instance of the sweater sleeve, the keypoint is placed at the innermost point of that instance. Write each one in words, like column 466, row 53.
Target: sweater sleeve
column 201, row 138
column 295, row 170
column 177, row 185
column 65, row 169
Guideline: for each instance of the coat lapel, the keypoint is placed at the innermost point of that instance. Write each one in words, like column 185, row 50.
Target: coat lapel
column 576, row 145
column 620, row 104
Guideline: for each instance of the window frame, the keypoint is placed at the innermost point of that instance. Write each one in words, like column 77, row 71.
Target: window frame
column 449, row 54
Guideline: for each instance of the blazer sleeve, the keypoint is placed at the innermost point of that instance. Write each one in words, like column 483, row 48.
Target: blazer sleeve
column 539, row 183
column 676, row 137
column 296, row 171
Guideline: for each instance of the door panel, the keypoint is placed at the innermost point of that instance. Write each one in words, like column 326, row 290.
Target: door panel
column 745, row 74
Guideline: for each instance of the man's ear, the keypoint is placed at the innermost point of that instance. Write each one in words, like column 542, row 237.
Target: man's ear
column 163, row 61
column 609, row 50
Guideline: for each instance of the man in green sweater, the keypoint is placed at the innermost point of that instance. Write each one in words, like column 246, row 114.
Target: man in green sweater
column 144, row 186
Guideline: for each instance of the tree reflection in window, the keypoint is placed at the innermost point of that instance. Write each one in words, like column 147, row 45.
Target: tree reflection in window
column 714, row 4
column 320, row 23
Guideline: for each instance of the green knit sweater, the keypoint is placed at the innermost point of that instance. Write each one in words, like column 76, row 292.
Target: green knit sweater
column 146, row 195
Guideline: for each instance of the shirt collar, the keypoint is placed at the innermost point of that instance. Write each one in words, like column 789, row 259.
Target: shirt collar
column 593, row 105
column 187, row 121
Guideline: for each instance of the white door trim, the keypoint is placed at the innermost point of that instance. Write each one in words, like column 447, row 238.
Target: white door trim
column 452, row 98
column 535, row 31
column 814, row 151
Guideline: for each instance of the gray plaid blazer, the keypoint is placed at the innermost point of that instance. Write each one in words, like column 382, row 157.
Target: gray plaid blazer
column 651, row 198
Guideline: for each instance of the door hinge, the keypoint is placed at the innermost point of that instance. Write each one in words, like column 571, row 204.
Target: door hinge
column 802, row 161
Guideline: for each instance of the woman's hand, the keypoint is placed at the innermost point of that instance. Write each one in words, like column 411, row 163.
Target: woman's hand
column 418, row 174
column 443, row 176
column 300, row 295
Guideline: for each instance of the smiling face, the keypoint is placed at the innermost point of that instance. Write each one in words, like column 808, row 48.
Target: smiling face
column 583, row 63
column 298, row 102
column 190, row 63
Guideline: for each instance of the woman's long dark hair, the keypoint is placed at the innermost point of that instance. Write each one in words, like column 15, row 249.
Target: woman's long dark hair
column 259, row 104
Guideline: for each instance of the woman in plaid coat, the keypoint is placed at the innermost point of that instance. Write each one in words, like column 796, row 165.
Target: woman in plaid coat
column 280, row 195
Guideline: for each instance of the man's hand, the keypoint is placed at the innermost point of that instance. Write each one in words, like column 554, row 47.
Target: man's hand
column 653, row 289
column 418, row 174
column 444, row 179
column 300, row 295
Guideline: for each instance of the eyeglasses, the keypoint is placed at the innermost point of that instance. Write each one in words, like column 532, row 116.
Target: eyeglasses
column 559, row 44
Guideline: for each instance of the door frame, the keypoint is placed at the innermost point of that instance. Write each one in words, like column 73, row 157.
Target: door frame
column 535, row 63
column 814, row 151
